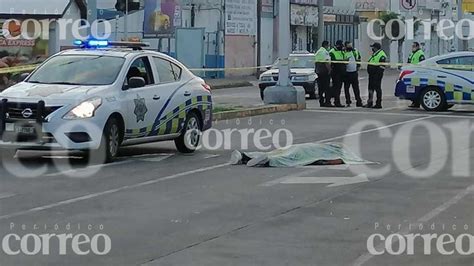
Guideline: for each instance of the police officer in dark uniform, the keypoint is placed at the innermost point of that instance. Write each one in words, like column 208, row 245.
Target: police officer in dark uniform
column 338, row 72
column 323, row 69
column 376, row 69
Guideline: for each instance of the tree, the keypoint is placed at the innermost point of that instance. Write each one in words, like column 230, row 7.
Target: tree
column 397, row 30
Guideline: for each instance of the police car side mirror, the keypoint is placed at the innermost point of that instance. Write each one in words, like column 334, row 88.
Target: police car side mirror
column 23, row 76
column 136, row 82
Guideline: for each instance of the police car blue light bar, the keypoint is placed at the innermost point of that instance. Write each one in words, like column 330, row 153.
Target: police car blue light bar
column 106, row 43
column 92, row 43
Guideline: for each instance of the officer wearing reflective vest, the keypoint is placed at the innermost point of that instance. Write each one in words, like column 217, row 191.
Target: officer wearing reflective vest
column 323, row 69
column 337, row 73
column 376, row 70
column 351, row 78
column 417, row 56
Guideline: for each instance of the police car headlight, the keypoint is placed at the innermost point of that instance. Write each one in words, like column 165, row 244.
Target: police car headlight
column 301, row 78
column 84, row 110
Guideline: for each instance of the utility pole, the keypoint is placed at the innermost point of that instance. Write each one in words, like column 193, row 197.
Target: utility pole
column 284, row 44
column 460, row 16
column 259, row 35
column 321, row 31
column 125, row 21
column 91, row 15
column 284, row 92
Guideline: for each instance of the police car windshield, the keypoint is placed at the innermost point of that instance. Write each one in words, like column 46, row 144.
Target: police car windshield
column 78, row 70
column 299, row 62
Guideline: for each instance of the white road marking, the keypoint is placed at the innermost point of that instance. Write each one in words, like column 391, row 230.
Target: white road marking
column 148, row 155
column 364, row 113
column 141, row 157
column 376, row 129
column 327, row 167
column 156, row 159
column 426, row 218
column 111, row 191
column 88, row 167
column 393, row 108
column 333, row 181
column 6, row 195
column 279, row 180
column 211, row 156
column 441, row 115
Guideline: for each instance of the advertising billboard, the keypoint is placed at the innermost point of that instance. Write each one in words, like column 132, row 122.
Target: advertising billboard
column 161, row 18
column 16, row 51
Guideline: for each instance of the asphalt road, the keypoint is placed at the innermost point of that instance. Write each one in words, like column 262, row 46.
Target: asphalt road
column 163, row 208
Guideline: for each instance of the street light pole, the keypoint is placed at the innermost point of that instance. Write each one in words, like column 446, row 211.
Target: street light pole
column 321, row 34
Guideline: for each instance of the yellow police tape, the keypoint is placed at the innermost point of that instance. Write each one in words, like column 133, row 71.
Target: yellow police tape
column 17, row 69
column 25, row 68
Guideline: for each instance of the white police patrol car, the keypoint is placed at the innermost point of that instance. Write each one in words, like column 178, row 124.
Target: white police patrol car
column 302, row 66
column 440, row 82
column 103, row 96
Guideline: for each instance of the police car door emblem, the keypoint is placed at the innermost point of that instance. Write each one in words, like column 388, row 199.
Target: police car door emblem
column 140, row 108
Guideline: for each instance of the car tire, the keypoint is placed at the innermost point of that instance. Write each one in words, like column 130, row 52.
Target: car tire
column 109, row 145
column 433, row 100
column 190, row 136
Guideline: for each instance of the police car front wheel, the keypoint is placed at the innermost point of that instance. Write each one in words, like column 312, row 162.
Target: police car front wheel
column 190, row 136
column 433, row 99
column 110, row 143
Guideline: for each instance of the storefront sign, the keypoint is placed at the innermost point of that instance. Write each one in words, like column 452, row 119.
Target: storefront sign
column 304, row 15
column 267, row 8
column 312, row 2
column 372, row 5
column 241, row 17
column 18, row 52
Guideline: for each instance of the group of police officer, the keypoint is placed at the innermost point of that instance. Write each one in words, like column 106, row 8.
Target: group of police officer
column 341, row 64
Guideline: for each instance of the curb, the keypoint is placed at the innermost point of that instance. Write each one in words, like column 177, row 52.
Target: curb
column 258, row 111
column 229, row 85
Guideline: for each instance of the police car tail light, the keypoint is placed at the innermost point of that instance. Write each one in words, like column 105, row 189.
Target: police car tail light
column 206, row 87
column 405, row 73
column 84, row 110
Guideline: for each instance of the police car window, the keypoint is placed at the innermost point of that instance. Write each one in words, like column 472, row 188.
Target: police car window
column 167, row 71
column 141, row 68
column 177, row 71
column 78, row 70
column 463, row 62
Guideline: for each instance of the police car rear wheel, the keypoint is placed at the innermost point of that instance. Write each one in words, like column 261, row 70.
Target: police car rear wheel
column 432, row 99
column 190, row 137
